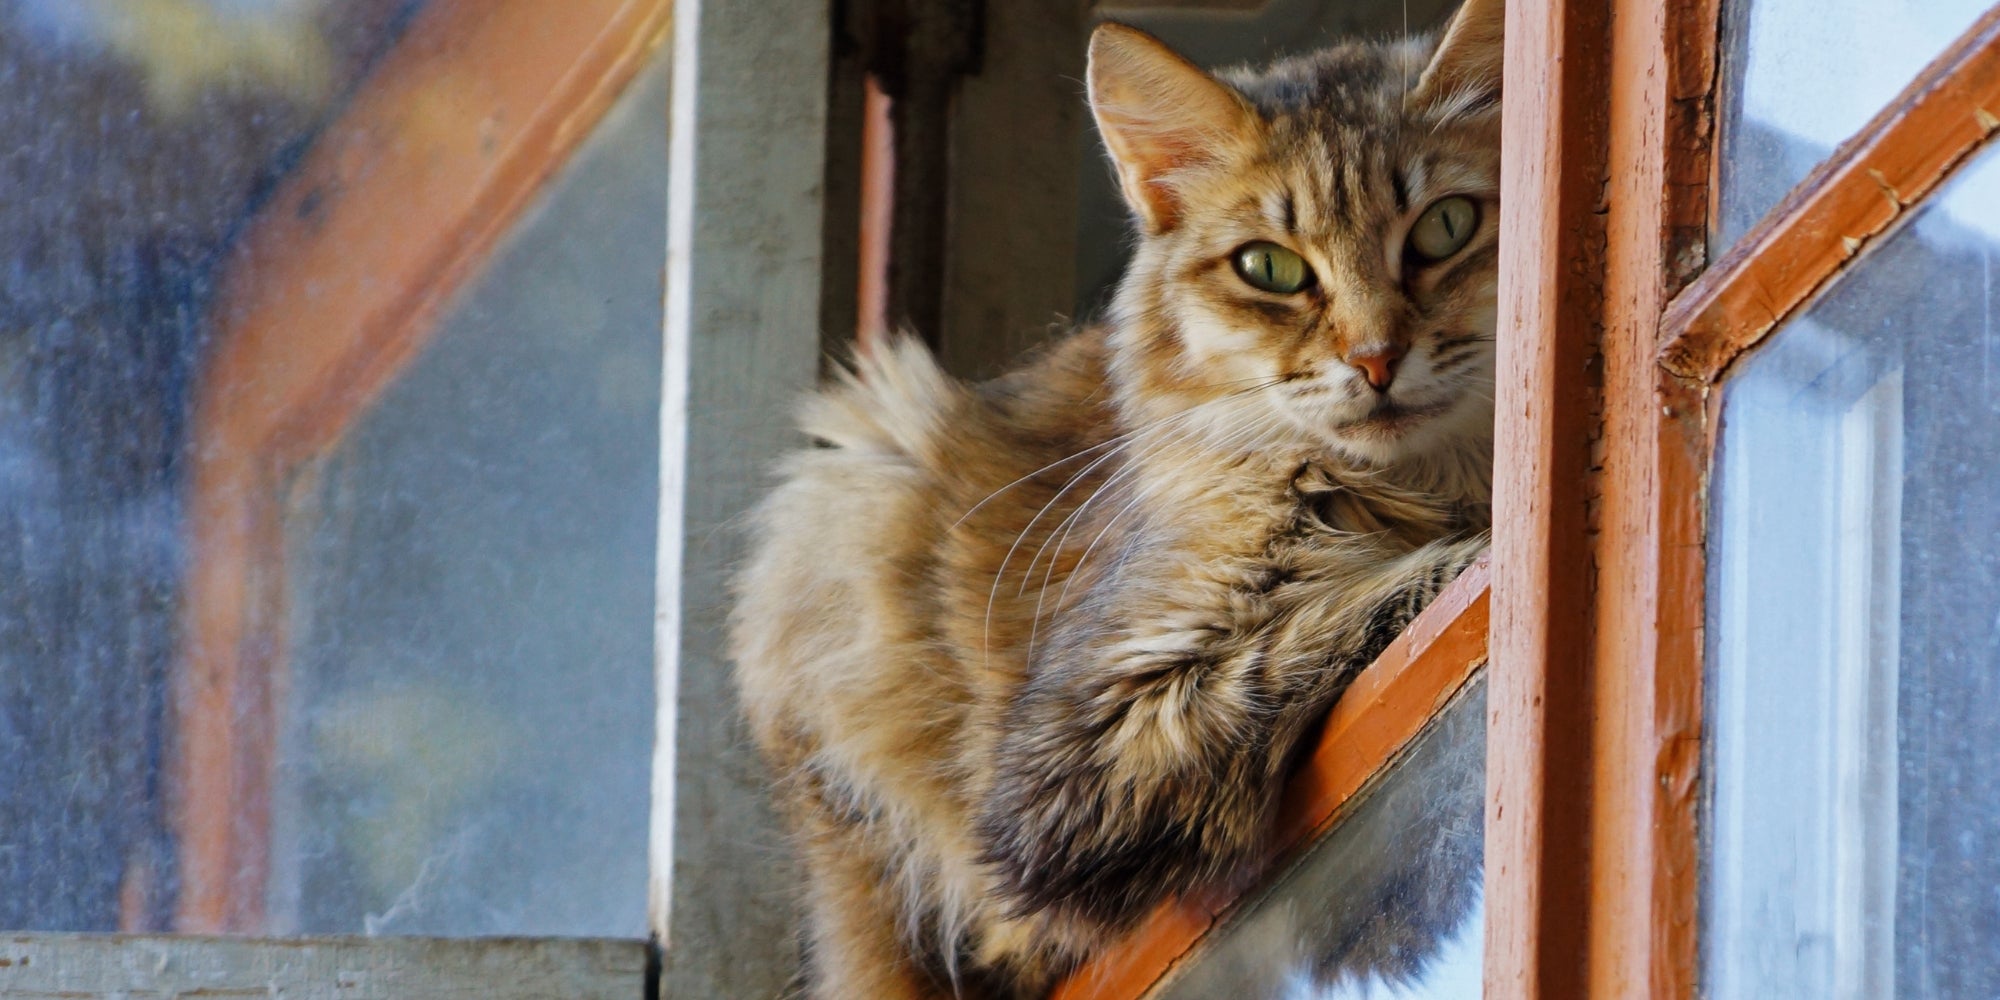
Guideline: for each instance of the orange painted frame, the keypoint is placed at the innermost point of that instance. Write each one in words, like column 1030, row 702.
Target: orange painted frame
column 1593, row 849
column 1378, row 717
column 1859, row 193
column 330, row 292
column 1595, row 739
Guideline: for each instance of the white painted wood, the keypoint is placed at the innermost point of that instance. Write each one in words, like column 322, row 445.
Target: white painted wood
column 744, row 249
column 133, row 967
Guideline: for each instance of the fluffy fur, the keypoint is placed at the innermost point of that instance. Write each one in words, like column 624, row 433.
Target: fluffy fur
column 1030, row 657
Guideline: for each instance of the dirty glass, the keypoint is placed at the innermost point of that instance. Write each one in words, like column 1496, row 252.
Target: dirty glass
column 134, row 141
column 1388, row 905
column 470, row 728
column 1854, row 840
column 461, row 689
column 1803, row 75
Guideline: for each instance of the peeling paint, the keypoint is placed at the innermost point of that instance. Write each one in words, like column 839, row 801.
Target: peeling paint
column 1882, row 181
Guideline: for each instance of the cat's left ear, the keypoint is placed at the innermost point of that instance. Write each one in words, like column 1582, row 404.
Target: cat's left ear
column 1162, row 117
column 1465, row 72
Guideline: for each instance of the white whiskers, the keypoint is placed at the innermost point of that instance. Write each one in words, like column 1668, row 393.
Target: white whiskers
column 1121, row 443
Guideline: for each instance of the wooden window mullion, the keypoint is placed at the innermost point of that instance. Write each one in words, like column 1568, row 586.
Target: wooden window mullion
column 1649, row 534
column 1538, row 695
column 1903, row 154
column 747, row 254
column 1594, row 745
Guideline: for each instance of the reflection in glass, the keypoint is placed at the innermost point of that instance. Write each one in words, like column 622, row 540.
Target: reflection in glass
column 1388, row 905
column 1804, row 75
column 1855, row 669
column 135, row 138
column 470, row 724
column 464, row 713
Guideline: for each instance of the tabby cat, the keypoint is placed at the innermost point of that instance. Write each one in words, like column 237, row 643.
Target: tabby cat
column 1031, row 656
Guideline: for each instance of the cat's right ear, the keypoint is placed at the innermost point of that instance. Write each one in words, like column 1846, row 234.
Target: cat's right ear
column 1465, row 73
column 1161, row 116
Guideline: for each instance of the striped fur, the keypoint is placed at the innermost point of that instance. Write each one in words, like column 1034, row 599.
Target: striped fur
column 1029, row 657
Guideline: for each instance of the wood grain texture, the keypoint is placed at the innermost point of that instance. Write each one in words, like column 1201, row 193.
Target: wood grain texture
column 1859, row 193
column 136, row 967
column 1375, row 720
column 1539, row 694
column 328, row 294
column 1648, row 537
column 1594, row 749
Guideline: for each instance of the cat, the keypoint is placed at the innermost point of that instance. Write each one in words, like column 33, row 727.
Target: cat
column 1030, row 657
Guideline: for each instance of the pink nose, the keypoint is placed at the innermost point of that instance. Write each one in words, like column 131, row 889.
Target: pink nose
column 1377, row 365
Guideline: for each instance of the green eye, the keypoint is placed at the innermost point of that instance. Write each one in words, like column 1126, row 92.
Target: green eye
column 1444, row 228
column 1273, row 268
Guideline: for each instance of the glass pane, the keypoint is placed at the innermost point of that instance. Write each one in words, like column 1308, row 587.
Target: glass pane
column 471, row 672
column 134, row 140
column 443, row 704
column 1804, row 75
column 1388, row 905
column 1855, row 835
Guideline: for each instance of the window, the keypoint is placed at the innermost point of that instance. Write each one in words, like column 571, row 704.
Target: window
column 317, row 301
column 1845, row 851
column 379, row 380
column 1852, row 631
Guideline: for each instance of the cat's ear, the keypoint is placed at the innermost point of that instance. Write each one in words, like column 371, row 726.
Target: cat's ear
column 1161, row 116
column 1465, row 72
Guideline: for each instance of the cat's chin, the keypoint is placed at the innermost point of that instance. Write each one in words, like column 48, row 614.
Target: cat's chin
column 1396, row 433
column 1377, row 449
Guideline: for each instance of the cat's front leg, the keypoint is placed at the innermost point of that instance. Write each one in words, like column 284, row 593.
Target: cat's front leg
column 1145, row 762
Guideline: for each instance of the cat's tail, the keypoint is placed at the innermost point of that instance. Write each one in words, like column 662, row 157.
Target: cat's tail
column 894, row 399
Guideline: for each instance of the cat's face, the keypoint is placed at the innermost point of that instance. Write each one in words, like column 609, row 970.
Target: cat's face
column 1318, row 260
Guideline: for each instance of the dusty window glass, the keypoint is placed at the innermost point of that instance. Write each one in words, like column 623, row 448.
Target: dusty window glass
column 1387, row 905
column 1854, row 840
column 457, row 691
column 1803, row 75
column 134, row 140
column 467, row 742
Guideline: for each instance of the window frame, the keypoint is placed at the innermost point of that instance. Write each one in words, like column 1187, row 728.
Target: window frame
column 120, row 966
column 1633, row 346
column 1592, row 605
column 1595, row 744
column 748, row 268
